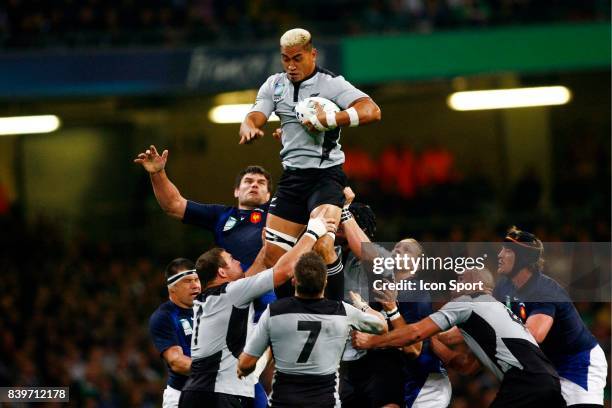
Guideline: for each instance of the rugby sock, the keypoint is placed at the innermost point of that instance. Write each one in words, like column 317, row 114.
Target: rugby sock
column 335, row 267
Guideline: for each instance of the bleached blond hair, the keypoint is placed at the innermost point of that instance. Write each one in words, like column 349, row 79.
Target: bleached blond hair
column 295, row 37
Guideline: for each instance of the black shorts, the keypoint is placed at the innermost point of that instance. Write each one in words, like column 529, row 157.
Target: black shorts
column 300, row 191
column 374, row 380
column 528, row 390
column 197, row 399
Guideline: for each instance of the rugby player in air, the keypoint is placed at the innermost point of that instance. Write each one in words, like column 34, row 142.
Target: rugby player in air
column 311, row 156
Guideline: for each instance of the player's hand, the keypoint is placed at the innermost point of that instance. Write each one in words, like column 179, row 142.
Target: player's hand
column 387, row 298
column 277, row 134
column 151, row 160
column 357, row 300
column 241, row 374
column 360, row 340
column 248, row 134
column 349, row 196
column 319, row 116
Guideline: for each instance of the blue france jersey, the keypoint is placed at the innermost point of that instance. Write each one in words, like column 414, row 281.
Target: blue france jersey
column 171, row 325
column 541, row 294
column 237, row 231
column 414, row 306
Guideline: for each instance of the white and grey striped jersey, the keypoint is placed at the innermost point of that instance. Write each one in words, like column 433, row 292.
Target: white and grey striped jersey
column 221, row 324
column 303, row 150
column 307, row 337
column 495, row 335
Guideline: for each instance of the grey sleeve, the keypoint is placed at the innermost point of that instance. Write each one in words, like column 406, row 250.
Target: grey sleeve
column 243, row 291
column 264, row 102
column 343, row 93
column 259, row 339
column 453, row 313
column 363, row 321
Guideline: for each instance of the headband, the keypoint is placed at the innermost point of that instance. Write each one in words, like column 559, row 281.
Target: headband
column 172, row 280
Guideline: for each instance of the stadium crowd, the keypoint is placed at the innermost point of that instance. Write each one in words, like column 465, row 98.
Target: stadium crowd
column 75, row 313
column 67, row 23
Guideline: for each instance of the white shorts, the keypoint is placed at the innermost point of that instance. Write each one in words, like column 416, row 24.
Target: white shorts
column 171, row 397
column 596, row 382
column 435, row 393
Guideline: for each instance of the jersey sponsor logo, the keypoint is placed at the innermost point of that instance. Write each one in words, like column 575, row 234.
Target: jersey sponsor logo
column 186, row 327
column 255, row 217
column 230, row 223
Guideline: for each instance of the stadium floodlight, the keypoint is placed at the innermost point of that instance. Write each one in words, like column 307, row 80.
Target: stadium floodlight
column 509, row 98
column 23, row 125
column 234, row 113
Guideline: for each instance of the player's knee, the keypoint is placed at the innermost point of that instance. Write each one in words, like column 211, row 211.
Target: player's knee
column 276, row 244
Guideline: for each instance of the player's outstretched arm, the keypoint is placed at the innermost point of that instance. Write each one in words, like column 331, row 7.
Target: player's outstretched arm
column 166, row 193
column 403, row 336
column 250, row 129
column 178, row 362
column 316, row 228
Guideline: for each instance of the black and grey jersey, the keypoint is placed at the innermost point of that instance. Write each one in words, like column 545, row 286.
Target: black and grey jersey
column 303, row 150
column 495, row 335
column 307, row 337
column 221, row 324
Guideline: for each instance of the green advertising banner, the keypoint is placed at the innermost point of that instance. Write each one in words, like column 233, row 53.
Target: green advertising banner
column 446, row 54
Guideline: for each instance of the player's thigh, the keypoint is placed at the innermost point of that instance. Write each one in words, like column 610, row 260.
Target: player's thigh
column 328, row 189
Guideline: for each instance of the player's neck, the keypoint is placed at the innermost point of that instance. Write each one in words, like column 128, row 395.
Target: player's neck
column 319, row 296
column 246, row 207
column 521, row 278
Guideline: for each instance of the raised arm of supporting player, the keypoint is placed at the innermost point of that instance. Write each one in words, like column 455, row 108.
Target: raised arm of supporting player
column 166, row 193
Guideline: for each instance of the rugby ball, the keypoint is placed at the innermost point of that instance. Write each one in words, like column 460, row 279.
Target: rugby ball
column 306, row 107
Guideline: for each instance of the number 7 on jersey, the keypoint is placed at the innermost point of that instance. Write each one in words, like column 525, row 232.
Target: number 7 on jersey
column 314, row 328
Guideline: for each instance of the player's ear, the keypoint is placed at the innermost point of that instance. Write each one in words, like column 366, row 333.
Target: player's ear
column 236, row 193
column 267, row 196
column 314, row 53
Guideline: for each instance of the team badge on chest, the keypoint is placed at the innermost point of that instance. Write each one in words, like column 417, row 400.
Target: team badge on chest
column 255, row 217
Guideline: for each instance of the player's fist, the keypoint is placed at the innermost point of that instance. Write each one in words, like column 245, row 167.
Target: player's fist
column 151, row 160
column 277, row 134
column 360, row 340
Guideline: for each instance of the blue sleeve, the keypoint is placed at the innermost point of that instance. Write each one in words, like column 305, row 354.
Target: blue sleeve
column 203, row 215
column 162, row 332
column 547, row 308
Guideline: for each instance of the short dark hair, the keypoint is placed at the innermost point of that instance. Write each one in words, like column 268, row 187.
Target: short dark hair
column 209, row 263
column 365, row 218
column 310, row 274
column 178, row 265
column 253, row 170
